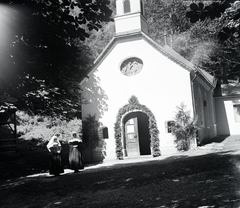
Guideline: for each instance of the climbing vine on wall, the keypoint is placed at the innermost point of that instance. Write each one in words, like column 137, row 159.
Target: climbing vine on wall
column 134, row 105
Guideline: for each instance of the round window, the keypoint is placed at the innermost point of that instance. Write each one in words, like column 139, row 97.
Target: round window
column 131, row 66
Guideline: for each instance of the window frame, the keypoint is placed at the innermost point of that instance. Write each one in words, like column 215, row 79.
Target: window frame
column 234, row 114
column 168, row 126
column 126, row 6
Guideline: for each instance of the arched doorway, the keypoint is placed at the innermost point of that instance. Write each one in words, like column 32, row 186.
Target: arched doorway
column 136, row 140
column 135, row 106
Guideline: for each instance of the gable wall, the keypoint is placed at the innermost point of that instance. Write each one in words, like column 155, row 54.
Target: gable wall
column 161, row 86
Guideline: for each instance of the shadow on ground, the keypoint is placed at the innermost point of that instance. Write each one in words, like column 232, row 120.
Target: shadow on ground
column 209, row 180
column 208, row 176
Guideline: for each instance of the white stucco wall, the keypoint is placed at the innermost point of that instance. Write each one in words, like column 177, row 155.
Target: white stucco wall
column 207, row 127
column 135, row 22
column 161, row 86
column 225, row 115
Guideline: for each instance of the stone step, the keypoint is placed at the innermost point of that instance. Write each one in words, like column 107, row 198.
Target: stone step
column 168, row 150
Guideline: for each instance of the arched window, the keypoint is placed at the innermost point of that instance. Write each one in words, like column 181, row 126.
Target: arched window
column 126, row 6
column 142, row 7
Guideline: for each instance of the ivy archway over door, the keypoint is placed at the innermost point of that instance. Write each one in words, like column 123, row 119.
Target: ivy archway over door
column 134, row 105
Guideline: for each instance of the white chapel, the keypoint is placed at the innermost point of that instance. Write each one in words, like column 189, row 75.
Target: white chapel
column 136, row 84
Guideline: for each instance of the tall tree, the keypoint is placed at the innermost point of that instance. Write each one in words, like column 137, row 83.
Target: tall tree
column 166, row 18
column 44, row 53
column 223, row 60
column 206, row 34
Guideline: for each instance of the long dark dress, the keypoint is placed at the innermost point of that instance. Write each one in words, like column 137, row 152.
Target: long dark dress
column 75, row 155
column 56, row 166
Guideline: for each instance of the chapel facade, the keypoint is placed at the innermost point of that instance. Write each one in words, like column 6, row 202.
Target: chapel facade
column 135, row 85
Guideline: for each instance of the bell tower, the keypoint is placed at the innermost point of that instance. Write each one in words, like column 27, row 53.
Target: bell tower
column 130, row 17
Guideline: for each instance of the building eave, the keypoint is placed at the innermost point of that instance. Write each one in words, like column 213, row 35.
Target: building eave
column 211, row 84
column 166, row 51
column 227, row 96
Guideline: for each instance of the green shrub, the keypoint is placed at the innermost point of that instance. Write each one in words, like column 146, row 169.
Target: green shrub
column 93, row 145
column 35, row 131
column 184, row 128
column 41, row 128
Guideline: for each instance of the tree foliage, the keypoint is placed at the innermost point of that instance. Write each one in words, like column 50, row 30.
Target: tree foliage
column 44, row 53
column 204, row 32
column 198, row 11
column 184, row 128
column 165, row 19
column 91, row 138
column 224, row 16
column 42, row 128
column 48, row 44
column 228, row 10
column 90, row 131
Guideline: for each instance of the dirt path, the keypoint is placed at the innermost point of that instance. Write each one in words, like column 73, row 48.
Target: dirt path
column 206, row 177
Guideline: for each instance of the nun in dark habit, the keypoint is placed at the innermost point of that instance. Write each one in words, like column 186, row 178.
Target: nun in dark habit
column 75, row 153
column 54, row 147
